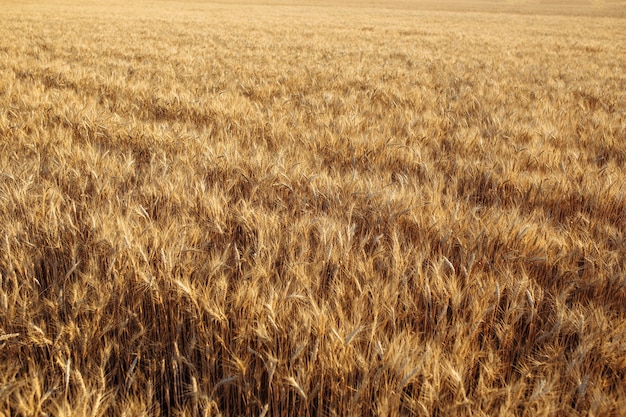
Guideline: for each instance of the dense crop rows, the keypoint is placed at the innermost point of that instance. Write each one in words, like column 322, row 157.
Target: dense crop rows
column 293, row 210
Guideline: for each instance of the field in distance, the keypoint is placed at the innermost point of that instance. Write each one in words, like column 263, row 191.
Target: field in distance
column 382, row 208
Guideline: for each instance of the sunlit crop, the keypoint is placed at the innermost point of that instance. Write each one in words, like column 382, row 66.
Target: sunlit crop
column 229, row 209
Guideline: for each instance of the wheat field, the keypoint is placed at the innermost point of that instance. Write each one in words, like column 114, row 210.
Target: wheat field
column 315, row 209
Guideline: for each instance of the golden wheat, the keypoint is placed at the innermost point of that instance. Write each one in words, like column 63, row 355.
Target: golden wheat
column 355, row 209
